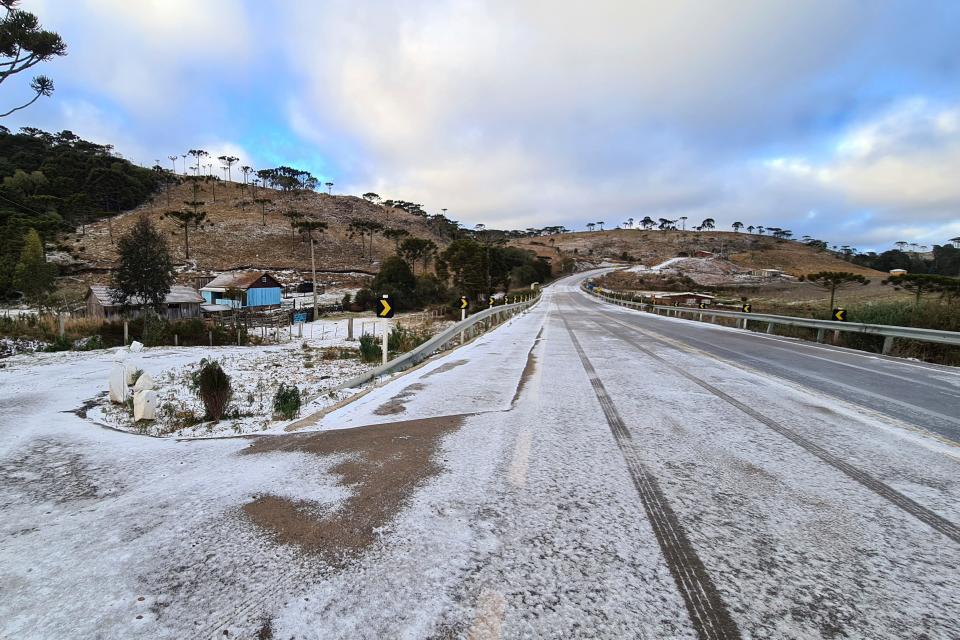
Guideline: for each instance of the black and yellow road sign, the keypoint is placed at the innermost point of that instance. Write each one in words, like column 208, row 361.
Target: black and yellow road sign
column 702, row 305
column 840, row 314
column 745, row 308
column 386, row 309
column 676, row 304
column 464, row 303
column 492, row 301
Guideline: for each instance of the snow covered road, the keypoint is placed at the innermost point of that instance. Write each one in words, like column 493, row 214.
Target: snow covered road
column 582, row 471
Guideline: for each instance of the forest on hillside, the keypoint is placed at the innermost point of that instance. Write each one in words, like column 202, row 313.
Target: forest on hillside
column 53, row 182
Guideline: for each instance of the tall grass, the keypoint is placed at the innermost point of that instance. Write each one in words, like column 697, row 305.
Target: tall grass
column 929, row 314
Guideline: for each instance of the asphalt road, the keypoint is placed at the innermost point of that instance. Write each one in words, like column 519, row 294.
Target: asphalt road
column 919, row 394
column 581, row 471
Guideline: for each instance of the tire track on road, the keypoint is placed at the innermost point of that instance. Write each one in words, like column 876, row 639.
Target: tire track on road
column 925, row 515
column 708, row 613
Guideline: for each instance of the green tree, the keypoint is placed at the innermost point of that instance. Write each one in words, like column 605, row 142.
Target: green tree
column 396, row 235
column 34, row 277
column 24, row 44
column 922, row 283
column 466, row 260
column 198, row 154
column 228, row 162
column 417, row 249
column 737, row 226
column 396, row 279
column 144, row 270
column 309, row 227
column 833, row 281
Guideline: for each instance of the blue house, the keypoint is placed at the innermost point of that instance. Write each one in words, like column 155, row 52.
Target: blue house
column 243, row 289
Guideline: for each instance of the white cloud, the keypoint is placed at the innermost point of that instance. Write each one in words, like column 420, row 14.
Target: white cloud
column 903, row 163
column 149, row 56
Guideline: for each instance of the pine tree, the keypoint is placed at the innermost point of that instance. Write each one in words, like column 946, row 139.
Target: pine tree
column 145, row 270
column 34, row 277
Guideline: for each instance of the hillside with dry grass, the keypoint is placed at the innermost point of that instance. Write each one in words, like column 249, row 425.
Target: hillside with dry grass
column 653, row 247
column 238, row 235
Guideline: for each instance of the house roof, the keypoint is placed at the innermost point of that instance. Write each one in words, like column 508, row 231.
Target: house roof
column 236, row 280
column 178, row 295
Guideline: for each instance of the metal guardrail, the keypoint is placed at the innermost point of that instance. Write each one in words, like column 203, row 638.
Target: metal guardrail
column 436, row 343
column 889, row 332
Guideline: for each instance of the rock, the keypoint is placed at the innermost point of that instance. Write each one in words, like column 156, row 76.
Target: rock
column 144, row 383
column 144, row 403
column 136, row 347
column 118, row 383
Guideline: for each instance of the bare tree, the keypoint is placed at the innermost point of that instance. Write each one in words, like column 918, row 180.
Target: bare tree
column 309, row 227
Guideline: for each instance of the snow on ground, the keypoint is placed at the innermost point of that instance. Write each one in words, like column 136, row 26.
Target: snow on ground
column 533, row 528
column 317, row 358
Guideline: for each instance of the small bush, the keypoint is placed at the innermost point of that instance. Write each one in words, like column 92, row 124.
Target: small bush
column 369, row 348
column 402, row 339
column 345, row 301
column 364, row 298
column 89, row 344
column 60, row 344
column 286, row 402
column 212, row 386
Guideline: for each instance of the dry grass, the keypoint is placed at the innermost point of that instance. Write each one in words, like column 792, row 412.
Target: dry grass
column 237, row 238
column 653, row 247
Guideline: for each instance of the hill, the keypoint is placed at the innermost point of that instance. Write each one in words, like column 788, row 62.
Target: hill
column 653, row 247
column 241, row 233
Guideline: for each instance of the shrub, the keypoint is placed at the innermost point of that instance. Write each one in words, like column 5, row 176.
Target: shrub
column 286, row 401
column 60, row 344
column 369, row 348
column 364, row 298
column 402, row 339
column 345, row 301
column 212, row 386
column 89, row 344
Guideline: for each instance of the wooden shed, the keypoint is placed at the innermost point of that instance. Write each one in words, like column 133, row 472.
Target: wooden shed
column 243, row 289
column 181, row 302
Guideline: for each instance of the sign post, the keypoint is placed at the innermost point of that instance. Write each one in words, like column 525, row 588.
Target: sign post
column 840, row 315
column 385, row 313
column 464, row 305
column 745, row 308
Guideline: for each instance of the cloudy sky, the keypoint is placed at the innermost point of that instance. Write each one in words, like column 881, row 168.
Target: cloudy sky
column 836, row 119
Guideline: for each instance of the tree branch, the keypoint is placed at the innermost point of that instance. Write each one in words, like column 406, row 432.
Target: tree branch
column 24, row 106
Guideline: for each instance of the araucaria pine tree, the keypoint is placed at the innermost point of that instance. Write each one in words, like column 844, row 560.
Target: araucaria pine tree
column 144, row 271
column 34, row 277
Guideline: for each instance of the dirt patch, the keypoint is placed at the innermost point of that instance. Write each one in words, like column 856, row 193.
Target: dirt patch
column 528, row 369
column 82, row 410
column 386, row 464
column 444, row 368
column 397, row 404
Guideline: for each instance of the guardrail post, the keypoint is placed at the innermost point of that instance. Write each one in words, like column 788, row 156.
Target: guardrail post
column 820, row 335
column 887, row 345
column 744, row 323
column 770, row 327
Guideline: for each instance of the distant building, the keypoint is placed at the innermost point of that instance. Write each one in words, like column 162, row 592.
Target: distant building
column 898, row 272
column 181, row 302
column 767, row 273
column 687, row 298
column 243, row 289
